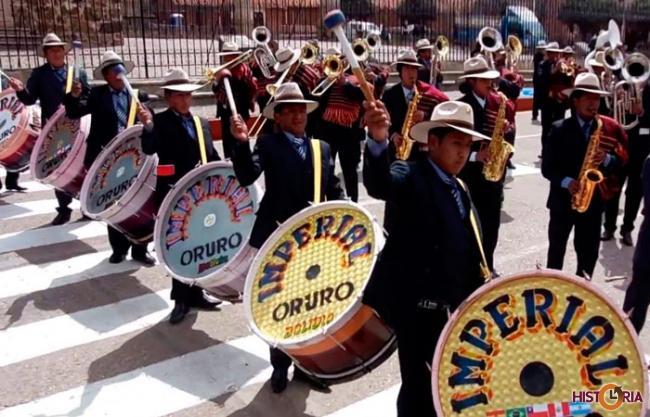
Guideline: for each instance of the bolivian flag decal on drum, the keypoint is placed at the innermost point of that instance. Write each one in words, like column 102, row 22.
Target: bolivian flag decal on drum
column 538, row 344
column 304, row 288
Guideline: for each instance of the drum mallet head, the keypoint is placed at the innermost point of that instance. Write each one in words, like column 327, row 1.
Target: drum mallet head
column 333, row 19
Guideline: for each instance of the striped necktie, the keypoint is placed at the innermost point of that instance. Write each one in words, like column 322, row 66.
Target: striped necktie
column 120, row 103
column 457, row 196
column 300, row 145
column 60, row 73
column 188, row 124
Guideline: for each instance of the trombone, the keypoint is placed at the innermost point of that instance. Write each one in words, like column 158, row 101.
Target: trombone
column 491, row 41
column 210, row 73
column 262, row 54
column 333, row 67
column 256, row 128
column 309, row 54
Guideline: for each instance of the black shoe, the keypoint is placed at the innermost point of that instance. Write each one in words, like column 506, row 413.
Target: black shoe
column 607, row 235
column 178, row 313
column 144, row 259
column 116, row 258
column 16, row 187
column 626, row 239
column 315, row 383
column 510, row 165
column 279, row 380
column 62, row 218
column 204, row 304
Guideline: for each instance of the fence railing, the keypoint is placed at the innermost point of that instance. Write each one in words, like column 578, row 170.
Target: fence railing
column 158, row 34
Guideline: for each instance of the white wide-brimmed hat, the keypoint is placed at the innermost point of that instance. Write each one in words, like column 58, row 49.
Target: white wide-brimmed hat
column 177, row 79
column 423, row 44
column 588, row 82
column 553, row 47
column 285, row 58
column 452, row 114
column 541, row 45
column 111, row 58
column 288, row 93
column 51, row 39
column 477, row 67
column 568, row 50
column 229, row 48
column 407, row 57
column 598, row 60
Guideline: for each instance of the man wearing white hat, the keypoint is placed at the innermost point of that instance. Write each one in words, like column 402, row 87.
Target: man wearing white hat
column 286, row 160
column 244, row 91
column 538, row 58
column 174, row 136
column 488, row 196
column 416, row 286
column 112, row 110
column 48, row 84
column 424, row 50
column 562, row 161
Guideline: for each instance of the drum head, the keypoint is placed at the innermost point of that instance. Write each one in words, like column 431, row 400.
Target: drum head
column 204, row 221
column 114, row 172
column 310, row 274
column 14, row 117
column 60, row 136
column 538, row 344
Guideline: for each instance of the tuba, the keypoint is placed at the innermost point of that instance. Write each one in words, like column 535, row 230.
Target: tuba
column 491, row 41
column 403, row 151
column 627, row 92
column 589, row 176
column 263, row 55
column 499, row 150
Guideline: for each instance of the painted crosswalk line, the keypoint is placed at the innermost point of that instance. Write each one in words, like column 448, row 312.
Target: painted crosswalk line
column 10, row 242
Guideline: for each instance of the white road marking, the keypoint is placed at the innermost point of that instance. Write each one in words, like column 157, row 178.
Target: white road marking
column 31, row 208
column 10, row 242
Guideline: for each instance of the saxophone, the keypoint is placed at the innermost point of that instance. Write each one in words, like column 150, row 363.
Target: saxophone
column 589, row 176
column 404, row 150
column 499, row 150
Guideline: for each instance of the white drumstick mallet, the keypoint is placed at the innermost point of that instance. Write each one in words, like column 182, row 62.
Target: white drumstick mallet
column 231, row 99
column 334, row 21
column 127, row 85
column 76, row 48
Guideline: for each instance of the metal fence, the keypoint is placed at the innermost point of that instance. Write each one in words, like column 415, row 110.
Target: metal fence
column 158, row 34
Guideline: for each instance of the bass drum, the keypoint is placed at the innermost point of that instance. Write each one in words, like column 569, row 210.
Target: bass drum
column 120, row 187
column 303, row 292
column 202, row 230
column 540, row 343
column 58, row 159
column 19, row 130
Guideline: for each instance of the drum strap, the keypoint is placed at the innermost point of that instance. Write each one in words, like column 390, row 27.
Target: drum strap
column 68, row 82
column 201, row 138
column 485, row 270
column 132, row 111
column 316, row 159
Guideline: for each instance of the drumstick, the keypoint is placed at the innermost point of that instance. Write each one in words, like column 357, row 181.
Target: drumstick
column 76, row 45
column 231, row 99
column 134, row 96
column 334, row 21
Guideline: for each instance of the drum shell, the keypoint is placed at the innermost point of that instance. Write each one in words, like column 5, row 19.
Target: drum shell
column 134, row 212
column 15, row 152
column 69, row 174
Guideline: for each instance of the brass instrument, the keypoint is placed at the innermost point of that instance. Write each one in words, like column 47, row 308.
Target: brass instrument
column 440, row 50
column 333, row 66
column 403, row 151
column 566, row 67
column 263, row 54
column 627, row 92
column 256, row 128
column 589, row 176
column 374, row 41
column 210, row 73
column 491, row 41
column 614, row 59
column 499, row 150
column 361, row 49
column 309, row 54
column 514, row 50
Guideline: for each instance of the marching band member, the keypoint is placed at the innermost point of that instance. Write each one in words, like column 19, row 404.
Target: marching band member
column 340, row 125
column 538, row 58
column 285, row 159
column 486, row 103
column 597, row 64
column 563, row 161
column 637, row 295
column 397, row 100
column 11, row 178
column 415, row 287
column 424, row 50
column 173, row 135
column 47, row 84
column 552, row 82
column 110, row 107
column 244, row 90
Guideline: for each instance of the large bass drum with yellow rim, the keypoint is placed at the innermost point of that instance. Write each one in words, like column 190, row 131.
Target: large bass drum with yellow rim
column 539, row 344
column 303, row 292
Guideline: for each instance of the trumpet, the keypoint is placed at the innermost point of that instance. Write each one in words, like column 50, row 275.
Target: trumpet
column 374, row 41
column 263, row 54
column 333, row 67
column 309, row 54
column 491, row 41
column 514, row 50
column 627, row 92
